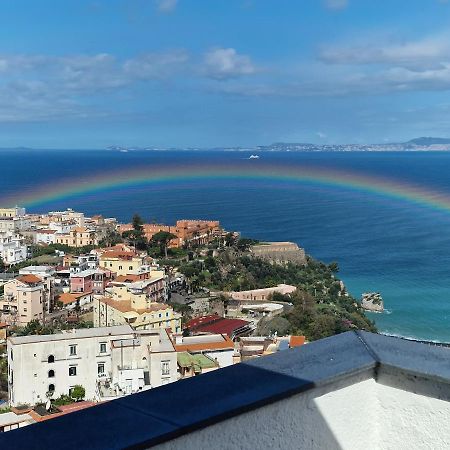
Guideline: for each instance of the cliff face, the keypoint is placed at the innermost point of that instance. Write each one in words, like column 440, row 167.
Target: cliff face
column 372, row 302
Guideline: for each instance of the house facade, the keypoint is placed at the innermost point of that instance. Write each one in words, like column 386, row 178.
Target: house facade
column 108, row 362
column 23, row 300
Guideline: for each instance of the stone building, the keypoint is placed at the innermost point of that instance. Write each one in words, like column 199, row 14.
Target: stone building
column 279, row 252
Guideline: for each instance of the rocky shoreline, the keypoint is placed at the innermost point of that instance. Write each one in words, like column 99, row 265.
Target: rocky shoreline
column 372, row 301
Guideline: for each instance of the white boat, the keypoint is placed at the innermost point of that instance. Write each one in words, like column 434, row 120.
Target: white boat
column 254, row 157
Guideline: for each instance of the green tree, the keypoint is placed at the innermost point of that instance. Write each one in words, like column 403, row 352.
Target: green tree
column 136, row 235
column 138, row 223
column 334, row 267
column 78, row 392
column 162, row 239
column 244, row 244
column 112, row 237
column 2, row 265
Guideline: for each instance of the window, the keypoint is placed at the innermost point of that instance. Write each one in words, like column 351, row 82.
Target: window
column 102, row 347
column 101, row 368
column 120, row 267
column 130, row 267
column 51, row 388
column 51, row 359
column 72, row 350
column 165, row 368
column 72, row 371
column 51, row 373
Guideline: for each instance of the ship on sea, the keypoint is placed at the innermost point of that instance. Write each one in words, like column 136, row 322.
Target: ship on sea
column 254, row 157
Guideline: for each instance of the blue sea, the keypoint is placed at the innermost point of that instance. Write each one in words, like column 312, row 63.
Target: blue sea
column 396, row 247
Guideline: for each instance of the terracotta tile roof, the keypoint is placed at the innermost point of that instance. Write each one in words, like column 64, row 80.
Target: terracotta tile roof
column 46, row 231
column 225, row 344
column 81, row 229
column 296, row 341
column 120, row 254
column 125, row 306
column 215, row 324
column 29, row 279
column 3, row 325
column 127, row 278
column 68, row 298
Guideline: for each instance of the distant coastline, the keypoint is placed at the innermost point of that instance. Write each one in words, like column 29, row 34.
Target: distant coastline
column 421, row 144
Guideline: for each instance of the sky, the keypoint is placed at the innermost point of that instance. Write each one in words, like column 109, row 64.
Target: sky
column 211, row 73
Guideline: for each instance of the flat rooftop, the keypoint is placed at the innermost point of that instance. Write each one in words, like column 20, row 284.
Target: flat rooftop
column 355, row 390
column 78, row 333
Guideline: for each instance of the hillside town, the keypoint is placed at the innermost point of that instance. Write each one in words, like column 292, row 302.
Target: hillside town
column 92, row 309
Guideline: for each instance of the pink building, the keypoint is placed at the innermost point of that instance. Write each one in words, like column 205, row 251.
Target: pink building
column 92, row 280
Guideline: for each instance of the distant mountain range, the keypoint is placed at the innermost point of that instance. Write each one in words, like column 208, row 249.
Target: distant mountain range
column 417, row 144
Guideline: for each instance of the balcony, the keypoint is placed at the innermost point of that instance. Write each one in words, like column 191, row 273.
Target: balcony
column 352, row 391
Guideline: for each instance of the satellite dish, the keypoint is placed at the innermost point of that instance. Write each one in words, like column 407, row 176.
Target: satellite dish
column 48, row 404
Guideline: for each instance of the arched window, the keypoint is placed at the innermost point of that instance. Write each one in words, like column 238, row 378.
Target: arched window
column 51, row 359
column 51, row 388
column 51, row 373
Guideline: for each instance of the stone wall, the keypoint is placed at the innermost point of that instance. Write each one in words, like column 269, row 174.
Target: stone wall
column 280, row 252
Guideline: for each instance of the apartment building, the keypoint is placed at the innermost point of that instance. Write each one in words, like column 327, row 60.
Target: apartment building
column 47, row 276
column 122, row 261
column 23, row 300
column 14, row 224
column 77, row 237
column 90, row 280
column 152, row 285
column 108, row 362
column 13, row 249
column 141, row 316
column 79, row 263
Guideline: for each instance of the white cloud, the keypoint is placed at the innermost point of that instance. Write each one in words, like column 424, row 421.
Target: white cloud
column 225, row 63
column 35, row 87
column 167, row 6
column 415, row 54
column 336, row 4
column 156, row 65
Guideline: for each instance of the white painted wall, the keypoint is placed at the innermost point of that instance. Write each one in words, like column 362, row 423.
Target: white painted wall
column 224, row 357
column 364, row 415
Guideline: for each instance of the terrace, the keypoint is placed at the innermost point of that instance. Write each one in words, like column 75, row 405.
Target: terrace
column 354, row 390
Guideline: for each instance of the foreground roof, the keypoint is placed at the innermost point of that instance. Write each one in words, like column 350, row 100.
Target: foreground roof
column 160, row 415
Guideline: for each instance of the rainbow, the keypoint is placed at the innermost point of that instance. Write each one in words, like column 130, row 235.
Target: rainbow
column 249, row 171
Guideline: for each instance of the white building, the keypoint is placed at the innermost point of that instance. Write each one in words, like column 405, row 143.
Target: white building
column 218, row 347
column 45, row 237
column 14, row 223
column 12, row 248
column 108, row 362
column 68, row 215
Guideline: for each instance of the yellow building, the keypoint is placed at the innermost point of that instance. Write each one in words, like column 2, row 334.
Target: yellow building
column 109, row 312
column 121, row 262
column 78, row 237
column 12, row 212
